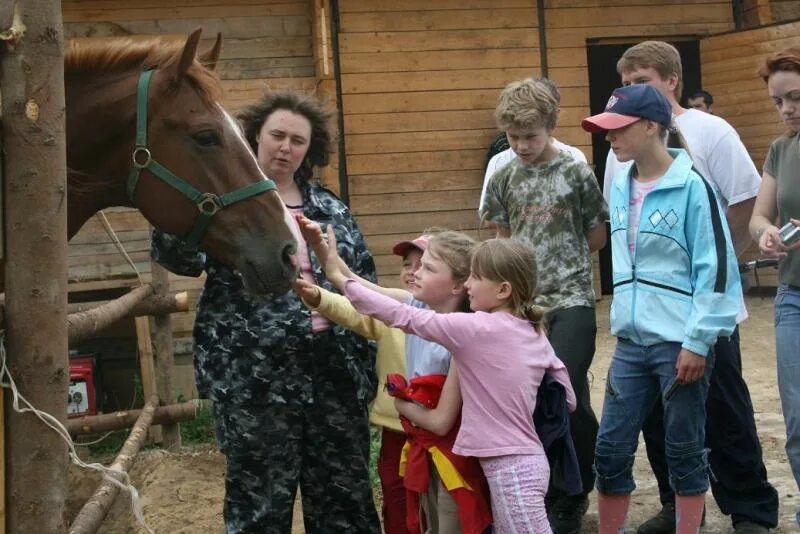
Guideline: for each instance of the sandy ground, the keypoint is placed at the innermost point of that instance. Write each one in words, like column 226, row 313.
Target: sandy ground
column 183, row 492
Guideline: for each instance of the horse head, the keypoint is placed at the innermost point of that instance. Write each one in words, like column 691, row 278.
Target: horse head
column 145, row 128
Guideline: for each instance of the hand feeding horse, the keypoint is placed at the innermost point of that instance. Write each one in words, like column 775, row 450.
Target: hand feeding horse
column 145, row 129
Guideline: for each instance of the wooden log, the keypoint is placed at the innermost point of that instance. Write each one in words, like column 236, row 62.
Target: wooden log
column 94, row 511
column 165, row 358
column 34, row 174
column 152, row 305
column 163, row 415
column 84, row 325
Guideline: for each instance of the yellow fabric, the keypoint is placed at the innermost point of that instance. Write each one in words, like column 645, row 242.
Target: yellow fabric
column 448, row 473
column 391, row 356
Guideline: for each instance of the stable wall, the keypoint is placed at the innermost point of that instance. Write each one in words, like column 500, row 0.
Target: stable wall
column 730, row 65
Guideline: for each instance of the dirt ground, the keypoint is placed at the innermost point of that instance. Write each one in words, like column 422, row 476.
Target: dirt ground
column 182, row 492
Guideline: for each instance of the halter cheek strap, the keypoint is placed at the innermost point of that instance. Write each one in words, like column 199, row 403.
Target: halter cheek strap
column 208, row 204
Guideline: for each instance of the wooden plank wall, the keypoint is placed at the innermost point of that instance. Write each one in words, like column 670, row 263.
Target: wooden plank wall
column 785, row 10
column 420, row 80
column 730, row 63
column 571, row 22
column 267, row 44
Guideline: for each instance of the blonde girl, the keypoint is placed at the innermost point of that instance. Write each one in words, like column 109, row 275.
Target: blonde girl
column 446, row 493
column 502, row 356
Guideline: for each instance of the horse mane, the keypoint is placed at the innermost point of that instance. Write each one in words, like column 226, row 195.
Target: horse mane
column 115, row 55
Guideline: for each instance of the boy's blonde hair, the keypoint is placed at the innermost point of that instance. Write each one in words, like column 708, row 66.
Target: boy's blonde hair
column 527, row 104
column 512, row 261
column 661, row 56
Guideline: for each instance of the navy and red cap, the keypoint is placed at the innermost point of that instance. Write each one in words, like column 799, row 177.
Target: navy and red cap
column 629, row 104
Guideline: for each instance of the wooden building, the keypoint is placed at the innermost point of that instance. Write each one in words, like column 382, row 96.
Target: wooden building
column 415, row 83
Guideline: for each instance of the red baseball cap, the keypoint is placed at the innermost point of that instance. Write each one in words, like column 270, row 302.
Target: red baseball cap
column 403, row 247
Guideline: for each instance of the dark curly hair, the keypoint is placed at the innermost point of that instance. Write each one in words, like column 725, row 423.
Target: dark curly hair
column 319, row 148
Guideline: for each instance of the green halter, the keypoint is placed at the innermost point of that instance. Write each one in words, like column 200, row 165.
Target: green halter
column 207, row 203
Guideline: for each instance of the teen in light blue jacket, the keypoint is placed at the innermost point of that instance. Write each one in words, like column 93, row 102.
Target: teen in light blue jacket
column 676, row 290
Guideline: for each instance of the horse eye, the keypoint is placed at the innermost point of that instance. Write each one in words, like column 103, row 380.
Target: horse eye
column 206, row 138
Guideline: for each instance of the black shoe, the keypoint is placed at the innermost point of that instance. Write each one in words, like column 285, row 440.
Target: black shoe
column 661, row 523
column 749, row 527
column 566, row 514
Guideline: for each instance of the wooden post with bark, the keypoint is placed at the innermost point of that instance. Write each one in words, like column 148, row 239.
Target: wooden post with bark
column 32, row 74
column 165, row 358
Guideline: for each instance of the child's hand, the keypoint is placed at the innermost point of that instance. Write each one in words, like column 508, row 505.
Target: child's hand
column 690, row 366
column 335, row 269
column 310, row 293
column 312, row 234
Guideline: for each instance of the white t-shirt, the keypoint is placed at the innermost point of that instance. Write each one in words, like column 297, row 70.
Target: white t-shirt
column 718, row 154
column 501, row 159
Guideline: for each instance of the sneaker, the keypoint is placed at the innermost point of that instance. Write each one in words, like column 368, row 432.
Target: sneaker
column 566, row 514
column 661, row 523
column 749, row 527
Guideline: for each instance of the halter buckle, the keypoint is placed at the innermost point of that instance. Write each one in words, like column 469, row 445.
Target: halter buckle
column 208, row 204
column 147, row 157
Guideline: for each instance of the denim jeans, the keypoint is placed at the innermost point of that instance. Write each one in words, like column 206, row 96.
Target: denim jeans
column 637, row 377
column 787, row 347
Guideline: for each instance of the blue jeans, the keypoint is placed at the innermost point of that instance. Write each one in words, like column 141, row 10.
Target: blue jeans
column 637, row 377
column 787, row 347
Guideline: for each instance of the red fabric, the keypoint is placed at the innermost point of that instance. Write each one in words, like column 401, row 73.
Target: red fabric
column 474, row 509
column 394, row 493
column 424, row 390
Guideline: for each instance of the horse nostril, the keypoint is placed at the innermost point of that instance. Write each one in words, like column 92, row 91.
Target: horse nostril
column 288, row 254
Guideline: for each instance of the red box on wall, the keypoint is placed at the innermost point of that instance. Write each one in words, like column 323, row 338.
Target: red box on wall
column 81, row 398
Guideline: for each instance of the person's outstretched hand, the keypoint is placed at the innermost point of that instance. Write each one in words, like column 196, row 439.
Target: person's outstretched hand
column 335, row 269
column 309, row 292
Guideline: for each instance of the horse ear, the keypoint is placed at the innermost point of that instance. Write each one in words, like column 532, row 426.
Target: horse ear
column 189, row 51
column 209, row 57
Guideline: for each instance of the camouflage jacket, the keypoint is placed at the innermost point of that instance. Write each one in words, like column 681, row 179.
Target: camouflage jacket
column 552, row 206
column 261, row 350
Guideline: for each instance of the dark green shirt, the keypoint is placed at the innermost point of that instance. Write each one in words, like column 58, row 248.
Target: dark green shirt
column 783, row 164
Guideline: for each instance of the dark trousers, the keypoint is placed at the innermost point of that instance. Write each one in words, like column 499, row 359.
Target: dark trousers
column 739, row 478
column 572, row 334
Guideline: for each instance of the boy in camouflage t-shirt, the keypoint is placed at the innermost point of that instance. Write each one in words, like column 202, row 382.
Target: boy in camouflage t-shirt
column 553, row 202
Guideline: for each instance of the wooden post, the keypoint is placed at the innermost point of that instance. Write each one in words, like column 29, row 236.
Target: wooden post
column 325, row 74
column 32, row 71
column 756, row 13
column 165, row 358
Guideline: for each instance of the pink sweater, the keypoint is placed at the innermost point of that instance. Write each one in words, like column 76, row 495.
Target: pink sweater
column 501, row 362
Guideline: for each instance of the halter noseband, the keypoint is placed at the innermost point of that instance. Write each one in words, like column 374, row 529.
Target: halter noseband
column 208, row 204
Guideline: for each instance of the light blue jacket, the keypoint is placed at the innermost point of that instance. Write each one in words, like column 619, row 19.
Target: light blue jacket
column 682, row 284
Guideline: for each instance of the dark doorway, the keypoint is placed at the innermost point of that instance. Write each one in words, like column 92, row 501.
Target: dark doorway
column 603, row 79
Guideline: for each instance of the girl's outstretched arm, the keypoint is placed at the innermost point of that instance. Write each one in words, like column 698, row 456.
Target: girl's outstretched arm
column 333, row 264
column 339, row 310
column 442, row 418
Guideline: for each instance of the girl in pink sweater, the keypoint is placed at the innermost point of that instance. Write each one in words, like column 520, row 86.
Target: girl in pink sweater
column 502, row 355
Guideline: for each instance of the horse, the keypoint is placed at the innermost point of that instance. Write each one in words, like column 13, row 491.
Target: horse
column 144, row 128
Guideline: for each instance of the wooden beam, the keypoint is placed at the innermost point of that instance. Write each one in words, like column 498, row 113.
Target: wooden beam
column 94, row 511
column 756, row 13
column 152, row 305
column 163, row 415
column 84, row 325
column 165, row 358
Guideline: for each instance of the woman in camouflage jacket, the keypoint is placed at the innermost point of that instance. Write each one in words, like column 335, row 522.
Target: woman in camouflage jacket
column 290, row 391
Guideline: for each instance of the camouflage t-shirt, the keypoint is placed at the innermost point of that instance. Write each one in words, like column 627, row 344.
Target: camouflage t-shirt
column 552, row 206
